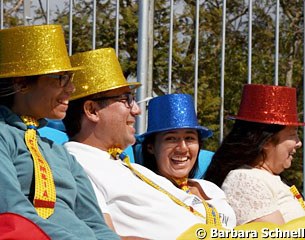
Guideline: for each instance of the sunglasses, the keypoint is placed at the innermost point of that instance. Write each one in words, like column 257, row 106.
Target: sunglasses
column 64, row 79
column 127, row 98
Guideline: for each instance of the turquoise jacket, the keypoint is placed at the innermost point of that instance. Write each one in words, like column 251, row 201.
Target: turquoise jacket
column 77, row 215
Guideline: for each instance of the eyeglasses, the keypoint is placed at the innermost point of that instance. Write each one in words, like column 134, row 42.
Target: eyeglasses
column 64, row 79
column 127, row 98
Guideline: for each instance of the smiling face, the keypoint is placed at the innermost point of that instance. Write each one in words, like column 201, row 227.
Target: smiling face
column 279, row 155
column 116, row 120
column 43, row 97
column 176, row 152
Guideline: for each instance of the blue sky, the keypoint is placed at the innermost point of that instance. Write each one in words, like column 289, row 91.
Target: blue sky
column 53, row 4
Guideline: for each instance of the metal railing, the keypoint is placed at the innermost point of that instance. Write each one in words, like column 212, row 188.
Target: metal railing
column 144, row 55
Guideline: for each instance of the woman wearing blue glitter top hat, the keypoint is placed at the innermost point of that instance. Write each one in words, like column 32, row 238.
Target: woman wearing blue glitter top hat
column 170, row 147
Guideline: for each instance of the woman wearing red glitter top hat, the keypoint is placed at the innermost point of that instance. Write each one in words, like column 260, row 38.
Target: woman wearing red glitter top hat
column 260, row 146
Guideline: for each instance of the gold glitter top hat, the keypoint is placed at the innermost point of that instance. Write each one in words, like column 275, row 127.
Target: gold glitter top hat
column 33, row 50
column 101, row 72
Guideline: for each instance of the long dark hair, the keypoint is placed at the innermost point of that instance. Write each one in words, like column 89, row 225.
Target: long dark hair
column 243, row 145
column 7, row 89
column 150, row 161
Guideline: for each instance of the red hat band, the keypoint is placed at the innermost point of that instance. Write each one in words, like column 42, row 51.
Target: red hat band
column 269, row 104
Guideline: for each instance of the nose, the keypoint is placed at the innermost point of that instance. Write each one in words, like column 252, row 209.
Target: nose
column 135, row 109
column 181, row 145
column 299, row 143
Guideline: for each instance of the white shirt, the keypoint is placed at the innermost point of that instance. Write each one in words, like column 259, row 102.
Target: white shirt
column 136, row 208
column 254, row 193
column 219, row 201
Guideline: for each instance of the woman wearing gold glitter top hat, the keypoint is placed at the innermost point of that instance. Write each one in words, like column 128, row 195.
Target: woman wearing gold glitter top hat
column 261, row 145
column 39, row 179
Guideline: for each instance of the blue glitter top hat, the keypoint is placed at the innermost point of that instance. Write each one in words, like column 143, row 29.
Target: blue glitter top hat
column 173, row 111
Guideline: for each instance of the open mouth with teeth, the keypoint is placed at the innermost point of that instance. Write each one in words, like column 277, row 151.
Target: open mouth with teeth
column 180, row 159
column 64, row 102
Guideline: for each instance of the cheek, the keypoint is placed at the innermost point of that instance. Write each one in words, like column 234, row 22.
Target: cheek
column 194, row 151
column 48, row 98
column 161, row 155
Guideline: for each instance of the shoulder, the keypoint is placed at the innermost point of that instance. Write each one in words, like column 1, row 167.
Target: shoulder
column 250, row 181
column 143, row 170
column 153, row 176
column 244, row 172
column 240, row 175
column 250, row 174
column 81, row 150
column 11, row 138
column 210, row 188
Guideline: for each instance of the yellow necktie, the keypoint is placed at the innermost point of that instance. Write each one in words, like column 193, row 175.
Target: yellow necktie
column 45, row 193
column 182, row 184
column 212, row 216
column 211, row 212
column 297, row 195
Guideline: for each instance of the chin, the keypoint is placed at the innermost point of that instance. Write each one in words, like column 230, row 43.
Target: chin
column 131, row 141
column 287, row 166
column 56, row 116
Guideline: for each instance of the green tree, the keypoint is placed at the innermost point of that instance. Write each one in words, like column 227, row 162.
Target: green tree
column 210, row 27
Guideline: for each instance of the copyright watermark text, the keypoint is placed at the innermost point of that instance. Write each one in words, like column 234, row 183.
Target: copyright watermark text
column 264, row 233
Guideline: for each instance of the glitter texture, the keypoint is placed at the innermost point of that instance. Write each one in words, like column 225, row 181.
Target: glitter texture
column 173, row 111
column 33, row 50
column 269, row 104
column 102, row 72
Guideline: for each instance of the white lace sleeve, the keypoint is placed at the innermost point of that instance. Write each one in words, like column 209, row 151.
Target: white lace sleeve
column 249, row 196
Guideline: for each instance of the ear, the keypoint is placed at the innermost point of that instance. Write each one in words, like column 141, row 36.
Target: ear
column 150, row 148
column 268, row 144
column 91, row 110
column 21, row 85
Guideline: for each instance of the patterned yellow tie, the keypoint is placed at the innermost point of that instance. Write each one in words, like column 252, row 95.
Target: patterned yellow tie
column 45, row 193
column 297, row 195
column 182, row 184
column 212, row 216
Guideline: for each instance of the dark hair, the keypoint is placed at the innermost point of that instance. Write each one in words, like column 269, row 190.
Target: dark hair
column 150, row 162
column 243, row 145
column 7, row 89
column 72, row 120
column 75, row 111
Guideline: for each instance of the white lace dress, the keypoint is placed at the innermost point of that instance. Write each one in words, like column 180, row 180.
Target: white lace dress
column 254, row 193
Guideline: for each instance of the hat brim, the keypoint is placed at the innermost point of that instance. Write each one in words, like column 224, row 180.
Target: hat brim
column 45, row 72
column 235, row 117
column 132, row 85
column 203, row 132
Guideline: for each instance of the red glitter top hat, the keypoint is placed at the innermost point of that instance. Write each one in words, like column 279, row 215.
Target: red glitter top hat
column 268, row 104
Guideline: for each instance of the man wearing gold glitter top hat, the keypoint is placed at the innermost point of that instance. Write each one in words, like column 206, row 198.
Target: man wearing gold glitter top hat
column 39, row 179
column 99, row 122
column 260, row 146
